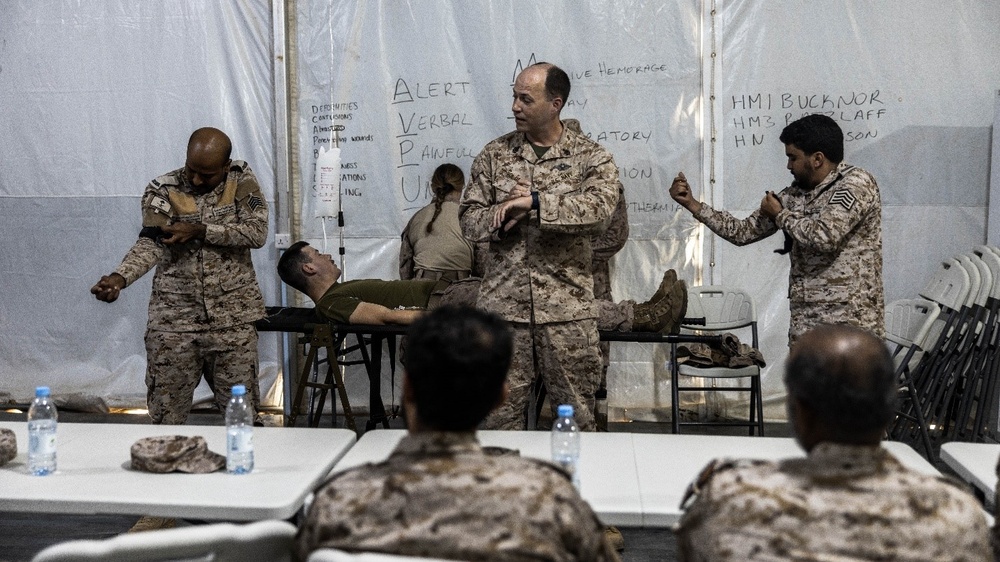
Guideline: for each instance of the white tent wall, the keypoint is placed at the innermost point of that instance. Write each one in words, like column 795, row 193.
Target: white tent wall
column 910, row 82
column 416, row 84
column 99, row 98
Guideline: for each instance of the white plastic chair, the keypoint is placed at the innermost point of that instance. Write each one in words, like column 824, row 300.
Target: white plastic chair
column 335, row 555
column 907, row 327
column 263, row 541
column 725, row 309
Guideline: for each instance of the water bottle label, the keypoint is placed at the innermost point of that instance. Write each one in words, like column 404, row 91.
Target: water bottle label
column 42, row 443
column 241, row 441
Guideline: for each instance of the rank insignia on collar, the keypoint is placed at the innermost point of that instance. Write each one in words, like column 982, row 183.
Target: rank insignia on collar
column 844, row 198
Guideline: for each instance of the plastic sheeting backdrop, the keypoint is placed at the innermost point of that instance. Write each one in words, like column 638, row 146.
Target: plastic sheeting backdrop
column 415, row 84
column 98, row 99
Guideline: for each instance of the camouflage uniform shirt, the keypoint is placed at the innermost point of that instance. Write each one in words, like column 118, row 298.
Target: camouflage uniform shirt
column 577, row 184
column 443, row 252
column 438, row 495
column 202, row 284
column 607, row 244
column 840, row 503
column 836, row 254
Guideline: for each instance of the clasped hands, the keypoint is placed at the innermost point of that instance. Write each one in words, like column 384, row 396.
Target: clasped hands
column 181, row 232
column 514, row 208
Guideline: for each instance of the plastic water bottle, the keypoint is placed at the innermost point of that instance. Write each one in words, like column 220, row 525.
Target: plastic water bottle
column 239, row 432
column 42, row 417
column 566, row 442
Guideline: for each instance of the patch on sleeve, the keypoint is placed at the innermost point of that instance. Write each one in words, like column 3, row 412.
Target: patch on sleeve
column 844, row 198
column 254, row 203
column 159, row 204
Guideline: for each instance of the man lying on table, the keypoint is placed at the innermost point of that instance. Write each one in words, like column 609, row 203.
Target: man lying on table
column 374, row 301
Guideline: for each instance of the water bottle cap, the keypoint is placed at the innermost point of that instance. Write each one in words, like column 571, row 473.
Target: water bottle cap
column 41, row 392
column 239, row 390
column 565, row 410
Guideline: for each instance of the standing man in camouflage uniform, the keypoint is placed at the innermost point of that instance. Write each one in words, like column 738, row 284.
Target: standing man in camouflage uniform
column 831, row 217
column 199, row 224
column 439, row 494
column 537, row 195
column 849, row 499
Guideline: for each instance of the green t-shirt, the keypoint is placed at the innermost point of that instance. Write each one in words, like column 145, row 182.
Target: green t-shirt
column 341, row 299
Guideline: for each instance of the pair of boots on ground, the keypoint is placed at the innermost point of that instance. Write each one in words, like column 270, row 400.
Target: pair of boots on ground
column 663, row 311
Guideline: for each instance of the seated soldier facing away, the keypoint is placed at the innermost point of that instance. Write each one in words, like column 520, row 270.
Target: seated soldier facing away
column 374, row 301
column 849, row 499
column 439, row 494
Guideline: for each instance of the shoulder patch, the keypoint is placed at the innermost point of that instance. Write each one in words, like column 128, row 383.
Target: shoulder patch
column 159, row 204
column 844, row 198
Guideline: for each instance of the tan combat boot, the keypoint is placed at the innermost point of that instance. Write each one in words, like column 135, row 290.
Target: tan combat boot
column 658, row 315
column 669, row 278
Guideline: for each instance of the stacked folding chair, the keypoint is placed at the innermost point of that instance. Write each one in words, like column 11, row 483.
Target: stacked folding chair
column 908, row 326
column 955, row 380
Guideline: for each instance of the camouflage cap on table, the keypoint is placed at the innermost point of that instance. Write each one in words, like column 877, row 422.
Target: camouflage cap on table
column 170, row 453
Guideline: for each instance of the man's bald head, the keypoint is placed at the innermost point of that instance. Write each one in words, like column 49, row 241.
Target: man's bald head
column 556, row 80
column 843, row 378
column 210, row 141
column 207, row 158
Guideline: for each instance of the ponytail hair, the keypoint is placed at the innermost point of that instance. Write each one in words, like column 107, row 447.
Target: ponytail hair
column 446, row 179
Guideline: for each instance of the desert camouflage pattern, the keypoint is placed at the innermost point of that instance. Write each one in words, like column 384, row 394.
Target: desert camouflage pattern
column 540, row 272
column 438, row 495
column 568, row 363
column 605, row 246
column 836, row 254
column 614, row 316
column 175, row 453
column 8, row 446
column 204, row 291
column 176, row 362
column 995, row 536
column 203, row 284
column 443, row 253
column 842, row 502
column 577, row 185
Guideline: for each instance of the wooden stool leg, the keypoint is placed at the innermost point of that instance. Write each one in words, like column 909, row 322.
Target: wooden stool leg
column 342, row 390
column 321, row 337
column 300, row 387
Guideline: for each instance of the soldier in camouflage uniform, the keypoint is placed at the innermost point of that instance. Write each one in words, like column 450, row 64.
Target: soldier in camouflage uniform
column 537, row 195
column 849, row 499
column 439, row 494
column 831, row 217
column 199, row 224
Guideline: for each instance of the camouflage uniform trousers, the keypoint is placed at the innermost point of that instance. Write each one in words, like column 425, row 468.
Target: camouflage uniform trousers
column 569, row 364
column 807, row 315
column 176, row 362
